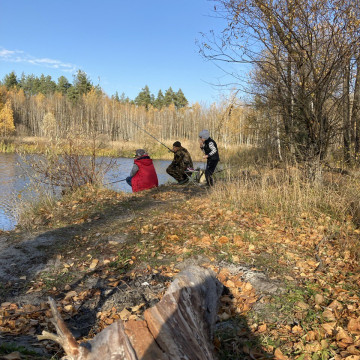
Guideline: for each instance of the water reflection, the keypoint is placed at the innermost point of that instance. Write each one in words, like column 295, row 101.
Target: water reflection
column 14, row 183
column 11, row 185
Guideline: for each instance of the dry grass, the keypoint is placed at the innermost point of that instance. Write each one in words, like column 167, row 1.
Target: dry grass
column 158, row 151
column 285, row 195
column 31, row 144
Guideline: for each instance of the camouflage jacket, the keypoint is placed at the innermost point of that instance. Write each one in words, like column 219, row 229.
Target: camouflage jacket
column 182, row 159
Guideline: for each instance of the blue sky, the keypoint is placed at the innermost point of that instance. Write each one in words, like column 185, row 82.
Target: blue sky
column 122, row 45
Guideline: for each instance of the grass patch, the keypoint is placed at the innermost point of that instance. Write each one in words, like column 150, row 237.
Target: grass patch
column 8, row 348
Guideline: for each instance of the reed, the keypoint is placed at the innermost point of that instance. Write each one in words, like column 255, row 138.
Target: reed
column 6, row 147
column 35, row 209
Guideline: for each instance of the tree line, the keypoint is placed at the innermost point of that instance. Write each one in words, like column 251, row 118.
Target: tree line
column 33, row 85
column 55, row 114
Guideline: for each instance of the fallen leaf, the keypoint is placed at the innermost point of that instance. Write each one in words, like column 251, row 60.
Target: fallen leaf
column 335, row 305
column 328, row 315
column 313, row 346
column 137, row 307
column 343, row 336
column 94, row 263
column 124, row 314
column 69, row 308
column 279, row 355
column 262, row 328
column 70, row 294
column 329, row 327
column 223, row 240
column 354, row 326
column 302, row 305
column 251, row 247
column 319, row 299
column 311, row 335
column 297, row 329
column 353, row 350
column 324, row 344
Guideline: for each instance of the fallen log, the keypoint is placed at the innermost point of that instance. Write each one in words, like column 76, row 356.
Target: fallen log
column 180, row 326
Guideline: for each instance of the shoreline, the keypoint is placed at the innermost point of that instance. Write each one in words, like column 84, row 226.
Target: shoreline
column 38, row 145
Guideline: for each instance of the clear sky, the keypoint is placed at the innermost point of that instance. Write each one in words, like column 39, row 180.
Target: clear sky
column 122, row 45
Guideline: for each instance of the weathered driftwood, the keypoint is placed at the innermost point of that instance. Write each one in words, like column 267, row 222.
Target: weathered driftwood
column 179, row 327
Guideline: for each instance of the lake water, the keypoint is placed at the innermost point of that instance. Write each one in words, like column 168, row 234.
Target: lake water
column 15, row 184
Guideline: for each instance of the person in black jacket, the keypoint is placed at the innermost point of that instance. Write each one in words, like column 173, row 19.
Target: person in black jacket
column 208, row 145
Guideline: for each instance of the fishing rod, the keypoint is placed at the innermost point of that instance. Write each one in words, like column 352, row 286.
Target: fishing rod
column 150, row 135
column 215, row 172
column 113, row 182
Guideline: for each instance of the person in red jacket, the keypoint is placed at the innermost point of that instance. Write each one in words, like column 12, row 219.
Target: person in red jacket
column 143, row 175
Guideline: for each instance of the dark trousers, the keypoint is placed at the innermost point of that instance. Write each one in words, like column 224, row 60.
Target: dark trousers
column 128, row 180
column 176, row 172
column 210, row 168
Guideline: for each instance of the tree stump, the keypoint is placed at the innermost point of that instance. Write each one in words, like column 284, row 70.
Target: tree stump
column 179, row 327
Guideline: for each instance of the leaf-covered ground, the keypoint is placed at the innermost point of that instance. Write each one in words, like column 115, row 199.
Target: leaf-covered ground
column 291, row 290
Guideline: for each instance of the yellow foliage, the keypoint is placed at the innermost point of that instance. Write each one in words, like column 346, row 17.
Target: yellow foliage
column 49, row 124
column 6, row 119
column 40, row 99
column 91, row 98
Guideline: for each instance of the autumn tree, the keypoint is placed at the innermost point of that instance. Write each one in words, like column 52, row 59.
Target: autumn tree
column 49, row 125
column 298, row 50
column 7, row 126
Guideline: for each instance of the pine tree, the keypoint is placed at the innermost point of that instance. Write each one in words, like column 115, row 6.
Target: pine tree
column 82, row 82
column 144, row 97
column 124, row 99
column 169, row 97
column 116, row 97
column 159, row 102
column 47, row 85
column 180, row 99
column 73, row 94
column 63, row 85
column 10, row 80
column 29, row 83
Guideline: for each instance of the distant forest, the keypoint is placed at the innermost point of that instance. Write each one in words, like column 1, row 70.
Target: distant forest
column 41, row 107
column 33, row 85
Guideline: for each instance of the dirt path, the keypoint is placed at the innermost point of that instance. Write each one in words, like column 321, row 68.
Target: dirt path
column 24, row 256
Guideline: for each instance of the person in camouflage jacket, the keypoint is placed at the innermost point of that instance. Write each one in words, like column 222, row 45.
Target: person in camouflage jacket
column 182, row 161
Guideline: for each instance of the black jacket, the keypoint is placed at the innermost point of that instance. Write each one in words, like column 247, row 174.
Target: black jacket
column 210, row 148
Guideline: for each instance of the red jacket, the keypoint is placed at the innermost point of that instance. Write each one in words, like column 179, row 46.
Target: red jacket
column 146, row 177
